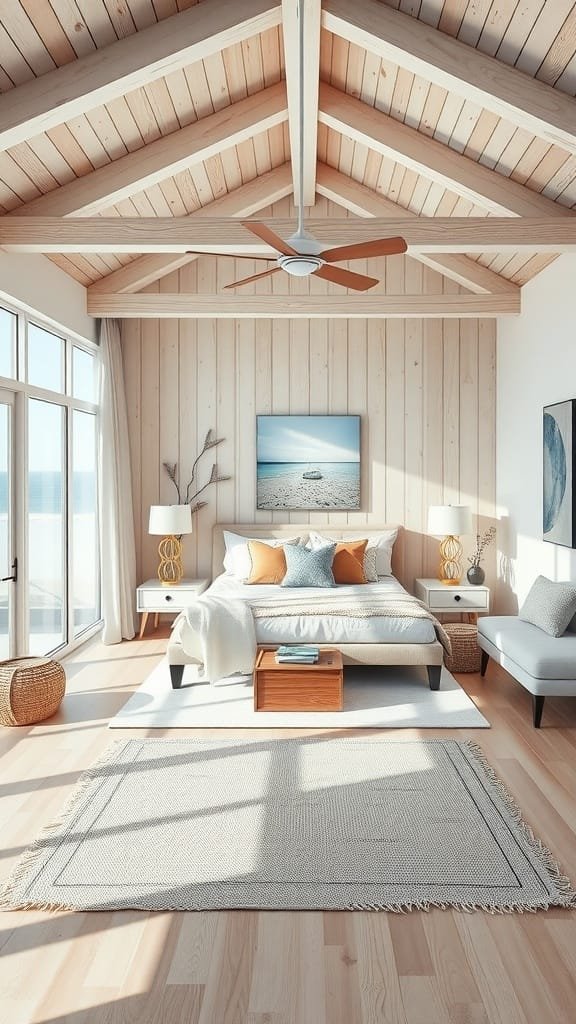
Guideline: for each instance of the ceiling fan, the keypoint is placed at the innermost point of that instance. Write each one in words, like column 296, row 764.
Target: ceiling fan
column 302, row 255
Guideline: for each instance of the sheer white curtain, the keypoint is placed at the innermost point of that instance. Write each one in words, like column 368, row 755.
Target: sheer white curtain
column 117, row 548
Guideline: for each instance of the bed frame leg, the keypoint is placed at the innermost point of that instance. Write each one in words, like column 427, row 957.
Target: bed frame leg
column 176, row 673
column 434, row 673
column 538, row 707
column 485, row 658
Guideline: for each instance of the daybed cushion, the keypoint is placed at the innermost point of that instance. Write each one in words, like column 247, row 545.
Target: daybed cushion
column 549, row 605
column 540, row 655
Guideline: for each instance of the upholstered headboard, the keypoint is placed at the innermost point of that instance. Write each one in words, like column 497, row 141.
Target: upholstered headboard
column 298, row 530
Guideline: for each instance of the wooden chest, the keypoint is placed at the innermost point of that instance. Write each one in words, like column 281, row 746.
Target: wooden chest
column 298, row 687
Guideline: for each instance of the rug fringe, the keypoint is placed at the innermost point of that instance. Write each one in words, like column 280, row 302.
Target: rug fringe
column 544, row 855
column 372, row 907
column 29, row 859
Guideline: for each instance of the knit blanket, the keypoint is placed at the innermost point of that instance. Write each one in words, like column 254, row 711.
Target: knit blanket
column 399, row 606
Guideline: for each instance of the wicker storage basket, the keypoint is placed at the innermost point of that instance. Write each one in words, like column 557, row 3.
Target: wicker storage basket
column 466, row 654
column 31, row 689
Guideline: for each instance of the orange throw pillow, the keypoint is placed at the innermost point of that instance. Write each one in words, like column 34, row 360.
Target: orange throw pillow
column 348, row 564
column 268, row 563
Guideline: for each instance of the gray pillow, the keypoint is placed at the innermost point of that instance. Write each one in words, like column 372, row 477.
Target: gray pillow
column 549, row 605
column 305, row 568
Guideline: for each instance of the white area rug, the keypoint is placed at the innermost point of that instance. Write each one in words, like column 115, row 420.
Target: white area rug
column 381, row 697
column 307, row 823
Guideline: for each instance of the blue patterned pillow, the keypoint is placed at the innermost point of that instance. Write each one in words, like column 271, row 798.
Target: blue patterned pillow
column 305, row 568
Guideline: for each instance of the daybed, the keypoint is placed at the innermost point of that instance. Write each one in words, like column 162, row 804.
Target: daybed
column 400, row 649
column 545, row 665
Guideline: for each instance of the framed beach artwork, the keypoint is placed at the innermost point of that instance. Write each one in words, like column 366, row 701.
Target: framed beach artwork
column 559, row 496
column 308, row 462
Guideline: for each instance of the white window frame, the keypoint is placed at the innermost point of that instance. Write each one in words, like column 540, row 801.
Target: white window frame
column 23, row 392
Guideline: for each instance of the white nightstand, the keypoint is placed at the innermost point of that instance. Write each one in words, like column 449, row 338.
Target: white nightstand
column 153, row 596
column 462, row 597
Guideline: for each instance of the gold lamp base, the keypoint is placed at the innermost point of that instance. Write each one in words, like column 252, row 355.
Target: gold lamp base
column 170, row 570
column 450, row 561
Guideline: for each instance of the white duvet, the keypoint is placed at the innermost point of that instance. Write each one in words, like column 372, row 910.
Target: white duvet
column 327, row 629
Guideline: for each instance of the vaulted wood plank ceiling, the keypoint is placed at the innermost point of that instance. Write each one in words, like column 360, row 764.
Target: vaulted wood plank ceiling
column 537, row 37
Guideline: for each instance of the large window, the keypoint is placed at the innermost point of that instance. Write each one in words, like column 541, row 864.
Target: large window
column 5, row 545
column 8, row 327
column 46, row 525
column 85, row 568
column 45, row 358
column 49, row 512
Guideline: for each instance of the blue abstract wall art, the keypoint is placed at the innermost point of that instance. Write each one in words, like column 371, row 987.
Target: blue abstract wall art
column 558, row 511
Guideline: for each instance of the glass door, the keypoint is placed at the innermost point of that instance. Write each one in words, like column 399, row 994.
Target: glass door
column 8, row 563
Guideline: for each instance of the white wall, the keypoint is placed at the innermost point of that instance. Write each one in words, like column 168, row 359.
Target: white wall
column 39, row 285
column 536, row 365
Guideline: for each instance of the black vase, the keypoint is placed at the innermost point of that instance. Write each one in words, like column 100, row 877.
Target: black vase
column 476, row 575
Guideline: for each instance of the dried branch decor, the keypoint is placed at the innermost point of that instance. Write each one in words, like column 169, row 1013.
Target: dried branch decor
column 187, row 496
column 482, row 542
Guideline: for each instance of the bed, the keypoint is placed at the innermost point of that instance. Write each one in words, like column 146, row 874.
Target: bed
column 362, row 641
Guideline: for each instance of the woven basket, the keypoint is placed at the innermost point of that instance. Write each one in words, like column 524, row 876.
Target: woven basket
column 466, row 654
column 31, row 689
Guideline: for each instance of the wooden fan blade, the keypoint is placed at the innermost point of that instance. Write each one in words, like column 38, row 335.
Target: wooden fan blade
column 255, row 277
column 365, row 250
column 338, row 275
column 242, row 256
column 268, row 236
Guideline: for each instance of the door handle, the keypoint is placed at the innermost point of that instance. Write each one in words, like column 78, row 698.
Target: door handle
column 14, row 577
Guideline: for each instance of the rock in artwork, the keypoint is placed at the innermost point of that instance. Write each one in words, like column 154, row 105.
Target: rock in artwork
column 558, row 519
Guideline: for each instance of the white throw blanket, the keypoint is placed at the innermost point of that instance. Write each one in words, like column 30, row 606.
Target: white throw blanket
column 219, row 634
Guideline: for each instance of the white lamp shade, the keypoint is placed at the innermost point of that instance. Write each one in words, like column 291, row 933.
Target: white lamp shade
column 449, row 520
column 168, row 520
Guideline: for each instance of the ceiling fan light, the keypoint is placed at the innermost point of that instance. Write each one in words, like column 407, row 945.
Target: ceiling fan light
column 300, row 266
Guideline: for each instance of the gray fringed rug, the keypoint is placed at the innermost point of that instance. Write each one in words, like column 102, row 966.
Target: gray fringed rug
column 308, row 823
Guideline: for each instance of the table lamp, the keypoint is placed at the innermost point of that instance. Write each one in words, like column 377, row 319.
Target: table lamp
column 170, row 522
column 450, row 522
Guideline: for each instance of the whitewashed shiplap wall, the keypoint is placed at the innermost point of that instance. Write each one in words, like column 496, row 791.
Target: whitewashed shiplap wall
column 425, row 390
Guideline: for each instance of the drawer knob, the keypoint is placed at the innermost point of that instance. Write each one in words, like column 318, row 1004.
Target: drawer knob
column 167, row 597
column 457, row 597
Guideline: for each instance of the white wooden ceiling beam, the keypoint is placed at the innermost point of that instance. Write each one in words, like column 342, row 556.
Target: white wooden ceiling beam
column 242, row 202
column 348, row 306
column 364, row 202
column 481, row 185
column 302, row 80
column 439, row 58
column 129, row 63
column 165, row 157
column 218, row 235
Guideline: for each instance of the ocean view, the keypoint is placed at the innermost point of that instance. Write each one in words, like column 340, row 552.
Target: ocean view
column 267, row 470
column 45, row 492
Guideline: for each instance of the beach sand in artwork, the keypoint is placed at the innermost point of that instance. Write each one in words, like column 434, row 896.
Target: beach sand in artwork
column 290, row 490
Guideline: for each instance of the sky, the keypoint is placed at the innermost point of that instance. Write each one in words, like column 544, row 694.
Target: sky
column 308, row 439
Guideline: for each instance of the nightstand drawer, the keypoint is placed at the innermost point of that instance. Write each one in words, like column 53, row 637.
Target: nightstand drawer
column 171, row 597
column 151, row 597
column 462, row 600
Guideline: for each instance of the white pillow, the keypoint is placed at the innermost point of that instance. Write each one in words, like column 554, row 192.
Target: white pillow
column 380, row 544
column 237, row 561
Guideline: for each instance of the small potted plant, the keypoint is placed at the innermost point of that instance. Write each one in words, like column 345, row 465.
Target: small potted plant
column 476, row 574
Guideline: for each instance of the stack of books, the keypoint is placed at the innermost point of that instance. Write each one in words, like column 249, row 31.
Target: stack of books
column 297, row 655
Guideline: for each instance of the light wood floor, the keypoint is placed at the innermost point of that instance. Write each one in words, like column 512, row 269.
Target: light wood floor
column 283, row 968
